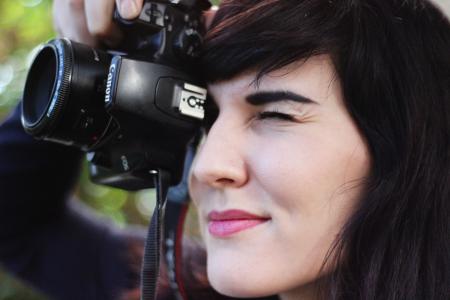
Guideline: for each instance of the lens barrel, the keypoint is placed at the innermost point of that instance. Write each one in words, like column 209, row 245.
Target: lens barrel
column 64, row 94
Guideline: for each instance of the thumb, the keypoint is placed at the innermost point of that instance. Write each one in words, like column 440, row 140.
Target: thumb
column 129, row 9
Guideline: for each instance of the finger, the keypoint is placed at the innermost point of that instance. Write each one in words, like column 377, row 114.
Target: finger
column 99, row 17
column 76, row 30
column 129, row 9
column 209, row 16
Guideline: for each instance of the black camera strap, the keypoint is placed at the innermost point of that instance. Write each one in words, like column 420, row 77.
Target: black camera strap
column 173, row 244
column 167, row 225
column 150, row 265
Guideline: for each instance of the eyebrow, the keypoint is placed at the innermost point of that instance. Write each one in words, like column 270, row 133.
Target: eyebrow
column 264, row 97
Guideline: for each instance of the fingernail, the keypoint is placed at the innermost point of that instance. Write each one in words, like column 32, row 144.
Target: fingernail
column 128, row 9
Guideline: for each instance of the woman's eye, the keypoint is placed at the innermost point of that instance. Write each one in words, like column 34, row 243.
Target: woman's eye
column 274, row 115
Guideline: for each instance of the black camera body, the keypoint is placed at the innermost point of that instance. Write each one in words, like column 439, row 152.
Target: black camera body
column 133, row 112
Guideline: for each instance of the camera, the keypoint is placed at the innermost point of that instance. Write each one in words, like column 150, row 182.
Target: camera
column 133, row 110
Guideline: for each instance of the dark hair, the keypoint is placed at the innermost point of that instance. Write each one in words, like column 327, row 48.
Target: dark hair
column 393, row 60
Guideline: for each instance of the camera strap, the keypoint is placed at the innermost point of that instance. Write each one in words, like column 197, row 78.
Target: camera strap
column 172, row 246
column 150, row 265
column 167, row 225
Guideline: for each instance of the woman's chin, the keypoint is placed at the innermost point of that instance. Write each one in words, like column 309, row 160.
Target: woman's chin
column 233, row 287
column 233, row 282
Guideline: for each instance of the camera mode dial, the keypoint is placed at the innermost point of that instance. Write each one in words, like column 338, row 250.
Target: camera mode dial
column 188, row 44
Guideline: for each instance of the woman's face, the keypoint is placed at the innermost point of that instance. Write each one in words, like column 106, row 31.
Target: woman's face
column 276, row 177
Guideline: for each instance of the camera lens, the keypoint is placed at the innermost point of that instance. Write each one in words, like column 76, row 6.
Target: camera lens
column 64, row 94
column 41, row 83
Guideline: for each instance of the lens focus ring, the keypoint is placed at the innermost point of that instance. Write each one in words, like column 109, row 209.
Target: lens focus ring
column 48, row 83
column 63, row 79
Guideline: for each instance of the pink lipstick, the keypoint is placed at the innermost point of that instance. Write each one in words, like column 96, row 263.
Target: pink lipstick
column 226, row 223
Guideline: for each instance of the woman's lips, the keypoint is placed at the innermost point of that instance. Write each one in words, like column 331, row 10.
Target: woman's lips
column 226, row 223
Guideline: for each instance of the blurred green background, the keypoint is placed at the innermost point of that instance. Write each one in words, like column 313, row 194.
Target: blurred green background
column 24, row 24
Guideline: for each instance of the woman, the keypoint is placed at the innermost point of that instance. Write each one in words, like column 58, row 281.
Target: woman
column 324, row 170
column 325, row 173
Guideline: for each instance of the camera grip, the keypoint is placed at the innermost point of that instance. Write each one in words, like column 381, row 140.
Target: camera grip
column 152, row 14
column 167, row 28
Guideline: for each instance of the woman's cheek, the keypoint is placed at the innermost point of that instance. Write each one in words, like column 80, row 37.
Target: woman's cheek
column 291, row 170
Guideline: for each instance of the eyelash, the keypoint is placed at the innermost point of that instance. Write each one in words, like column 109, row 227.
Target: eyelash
column 212, row 114
column 274, row 115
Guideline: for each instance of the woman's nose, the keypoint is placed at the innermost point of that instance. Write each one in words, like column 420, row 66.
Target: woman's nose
column 220, row 160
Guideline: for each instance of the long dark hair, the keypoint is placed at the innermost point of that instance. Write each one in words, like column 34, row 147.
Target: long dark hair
column 393, row 60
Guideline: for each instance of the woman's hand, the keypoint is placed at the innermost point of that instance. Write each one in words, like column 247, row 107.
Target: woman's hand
column 91, row 21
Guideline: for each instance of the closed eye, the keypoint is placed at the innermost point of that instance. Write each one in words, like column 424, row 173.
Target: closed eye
column 274, row 115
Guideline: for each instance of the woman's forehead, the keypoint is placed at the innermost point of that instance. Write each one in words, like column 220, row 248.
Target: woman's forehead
column 313, row 77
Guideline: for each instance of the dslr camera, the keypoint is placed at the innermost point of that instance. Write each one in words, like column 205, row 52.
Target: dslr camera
column 133, row 110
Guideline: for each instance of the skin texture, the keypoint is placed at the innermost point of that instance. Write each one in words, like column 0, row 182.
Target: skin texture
column 306, row 174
